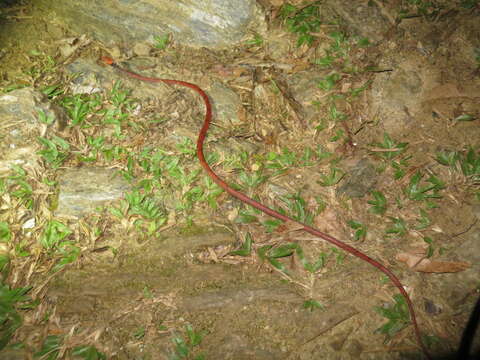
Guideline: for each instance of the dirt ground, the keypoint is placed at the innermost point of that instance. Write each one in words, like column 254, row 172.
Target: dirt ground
column 135, row 295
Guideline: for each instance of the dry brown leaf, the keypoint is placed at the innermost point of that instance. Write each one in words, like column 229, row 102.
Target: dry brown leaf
column 418, row 262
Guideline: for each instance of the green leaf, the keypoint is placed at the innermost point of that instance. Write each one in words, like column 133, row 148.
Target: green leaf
column 5, row 233
column 246, row 248
column 312, row 304
column 88, row 353
column 50, row 348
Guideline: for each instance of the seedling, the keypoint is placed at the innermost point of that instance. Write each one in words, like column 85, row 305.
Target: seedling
column 88, row 352
column 329, row 82
column 161, row 41
column 246, row 216
column 400, row 167
column 447, row 158
column 5, row 233
column 185, row 349
column 50, row 348
column 118, row 95
column 302, row 21
column 311, row 267
column 251, row 180
column 430, row 248
column 272, row 254
column 470, row 165
column 246, row 248
column 44, row 118
column 332, row 178
column 379, row 204
column 415, row 191
column 312, row 305
column 397, row 315
column 53, row 234
column 140, row 204
column 10, row 319
column 256, row 41
column 297, row 208
column 55, row 151
column 22, row 190
column 52, row 91
column 423, row 221
column 79, row 106
column 360, row 229
column 399, row 226
column 392, row 148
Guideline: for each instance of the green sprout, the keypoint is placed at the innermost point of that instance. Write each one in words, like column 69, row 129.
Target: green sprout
column 162, row 41
column 184, row 349
column 397, row 315
column 399, row 226
column 360, row 229
column 392, row 148
column 415, row 191
column 302, row 21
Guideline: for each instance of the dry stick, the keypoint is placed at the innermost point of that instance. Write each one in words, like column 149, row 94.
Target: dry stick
column 244, row 198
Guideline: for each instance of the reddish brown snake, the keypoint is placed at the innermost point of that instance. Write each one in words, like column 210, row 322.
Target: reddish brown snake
column 242, row 197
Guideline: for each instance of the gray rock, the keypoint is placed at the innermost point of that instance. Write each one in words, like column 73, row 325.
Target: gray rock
column 211, row 23
column 20, row 126
column 226, row 105
column 360, row 180
column 84, row 189
column 363, row 17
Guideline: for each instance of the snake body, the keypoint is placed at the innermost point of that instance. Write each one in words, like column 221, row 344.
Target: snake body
column 244, row 198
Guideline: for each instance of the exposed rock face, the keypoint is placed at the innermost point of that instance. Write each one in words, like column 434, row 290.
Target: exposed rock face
column 211, row 23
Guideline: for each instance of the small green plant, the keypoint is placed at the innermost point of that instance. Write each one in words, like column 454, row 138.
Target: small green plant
column 399, row 226
column 88, row 352
column 246, row 248
column 139, row 204
column 302, row 21
column 44, row 118
column 185, row 349
column 389, row 149
column 424, row 221
column 55, row 150
column 246, row 216
column 415, row 191
column 273, row 254
column 5, row 233
column 332, row 178
column 400, row 167
column 360, row 229
column 312, row 305
column 52, row 345
column 10, row 319
column 447, row 158
column 257, row 40
column 329, row 82
column 468, row 162
column 80, row 106
column 161, row 41
column 19, row 187
column 297, row 207
column 53, row 234
column 397, row 315
column 251, row 180
column 470, row 165
column 430, row 248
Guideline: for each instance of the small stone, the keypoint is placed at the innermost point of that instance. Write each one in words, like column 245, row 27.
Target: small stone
column 142, row 49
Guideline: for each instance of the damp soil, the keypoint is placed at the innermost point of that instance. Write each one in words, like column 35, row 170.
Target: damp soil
column 133, row 303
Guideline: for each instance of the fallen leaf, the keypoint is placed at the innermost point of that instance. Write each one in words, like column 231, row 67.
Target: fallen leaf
column 418, row 262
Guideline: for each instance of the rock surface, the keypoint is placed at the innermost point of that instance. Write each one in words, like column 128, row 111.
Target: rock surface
column 212, row 23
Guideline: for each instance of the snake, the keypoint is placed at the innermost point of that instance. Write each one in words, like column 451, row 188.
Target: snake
column 265, row 209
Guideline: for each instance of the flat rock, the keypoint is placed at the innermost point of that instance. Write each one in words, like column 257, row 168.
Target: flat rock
column 82, row 190
column 211, row 23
